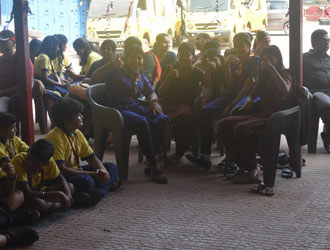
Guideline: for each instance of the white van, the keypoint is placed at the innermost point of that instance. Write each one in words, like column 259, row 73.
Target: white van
column 222, row 20
column 119, row 19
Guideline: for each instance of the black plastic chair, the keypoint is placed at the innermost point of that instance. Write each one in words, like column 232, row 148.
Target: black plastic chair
column 285, row 122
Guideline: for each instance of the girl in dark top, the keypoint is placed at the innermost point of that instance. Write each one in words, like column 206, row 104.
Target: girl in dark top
column 108, row 50
column 240, row 133
column 125, row 86
column 178, row 88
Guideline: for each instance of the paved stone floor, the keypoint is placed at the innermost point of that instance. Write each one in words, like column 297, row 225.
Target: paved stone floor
column 201, row 210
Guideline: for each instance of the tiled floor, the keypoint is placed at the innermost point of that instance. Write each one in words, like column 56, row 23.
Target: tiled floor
column 201, row 210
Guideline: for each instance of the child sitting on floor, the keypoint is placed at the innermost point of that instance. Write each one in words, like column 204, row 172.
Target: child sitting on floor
column 91, row 181
column 11, row 198
column 38, row 176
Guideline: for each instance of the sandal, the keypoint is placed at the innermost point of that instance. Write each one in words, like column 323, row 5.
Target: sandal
column 263, row 190
column 157, row 177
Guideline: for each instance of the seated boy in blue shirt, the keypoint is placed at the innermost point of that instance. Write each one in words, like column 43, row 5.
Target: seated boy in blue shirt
column 91, row 181
column 38, row 176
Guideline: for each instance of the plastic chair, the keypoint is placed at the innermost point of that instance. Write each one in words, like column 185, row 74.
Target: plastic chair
column 285, row 122
column 106, row 119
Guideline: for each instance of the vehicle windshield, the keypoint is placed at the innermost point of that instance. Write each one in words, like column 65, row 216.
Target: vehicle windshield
column 206, row 5
column 101, row 8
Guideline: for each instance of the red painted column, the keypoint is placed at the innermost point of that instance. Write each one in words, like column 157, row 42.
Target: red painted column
column 24, row 71
column 296, row 31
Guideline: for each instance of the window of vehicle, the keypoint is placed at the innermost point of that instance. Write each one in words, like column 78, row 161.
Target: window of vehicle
column 277, row 5
column 117, row 8
column 206, row 5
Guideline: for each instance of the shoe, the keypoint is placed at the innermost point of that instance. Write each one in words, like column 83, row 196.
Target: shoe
column 287, row 173
column 158, row 177
column 20, row 236
column 263, row 190
column 326, row 141
column 82, row 199
column 200, row 161
column 96, row 196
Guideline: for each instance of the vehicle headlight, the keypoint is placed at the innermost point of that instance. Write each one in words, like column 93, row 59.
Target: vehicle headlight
column 190, row 26
column 91, row 34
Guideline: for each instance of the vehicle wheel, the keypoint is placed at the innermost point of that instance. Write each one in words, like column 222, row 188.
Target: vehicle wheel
column 286, row 28
column 145, row 44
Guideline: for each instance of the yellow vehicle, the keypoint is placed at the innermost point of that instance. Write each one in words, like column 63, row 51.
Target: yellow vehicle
column 219, row 18
column 256, row 15
column 119, row 19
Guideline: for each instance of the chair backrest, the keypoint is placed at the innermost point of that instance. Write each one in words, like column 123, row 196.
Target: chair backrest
column 96, row 94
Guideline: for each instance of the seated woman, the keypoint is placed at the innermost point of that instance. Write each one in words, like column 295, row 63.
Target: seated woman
column 178, row 88
column 240, row 133
column 61, row 62
column 124, row 87
column 87, row 58
column 262, row 41
column 44, row 70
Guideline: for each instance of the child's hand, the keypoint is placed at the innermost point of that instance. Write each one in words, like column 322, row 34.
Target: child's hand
column 155, row 107
column 230, row 59
column 66, row 201
column 103, row 175
column 211, row 65
column 9, row 169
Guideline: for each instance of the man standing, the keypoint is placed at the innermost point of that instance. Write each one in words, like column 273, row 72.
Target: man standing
column 316, row 75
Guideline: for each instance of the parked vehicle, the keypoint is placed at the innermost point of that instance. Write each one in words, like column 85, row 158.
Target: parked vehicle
column 256, row 15
column 278, row 18
column 221, row 19
column 119, row 19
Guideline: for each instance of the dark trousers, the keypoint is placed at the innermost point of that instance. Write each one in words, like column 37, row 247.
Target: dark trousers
column 239, row 135
column 209, row 112
column 182, row 131
column 321, row 105
column 150, row 131
column 86, row 183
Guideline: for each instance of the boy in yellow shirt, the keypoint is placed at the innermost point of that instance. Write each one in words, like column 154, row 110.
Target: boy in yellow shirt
column 38, row 176
column 11, row 198
column 93, row 180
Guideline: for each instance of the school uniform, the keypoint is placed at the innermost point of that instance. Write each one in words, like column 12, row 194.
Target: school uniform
column 123, row 94
column 70, row 149
column 92, row 57
column 41, row 64
column 239, row 134
column 10, row 147
column 38, row 181
column 241, row 71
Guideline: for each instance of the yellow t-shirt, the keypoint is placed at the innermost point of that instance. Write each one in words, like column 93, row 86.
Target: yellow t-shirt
column 11, row 147
column 92, row 57
column 42, row 63
column 65, row 64
column 51, row 172
column 63, row 145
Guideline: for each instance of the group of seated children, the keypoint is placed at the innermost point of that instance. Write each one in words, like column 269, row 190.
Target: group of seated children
column 47, row 176
column 171, row 84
